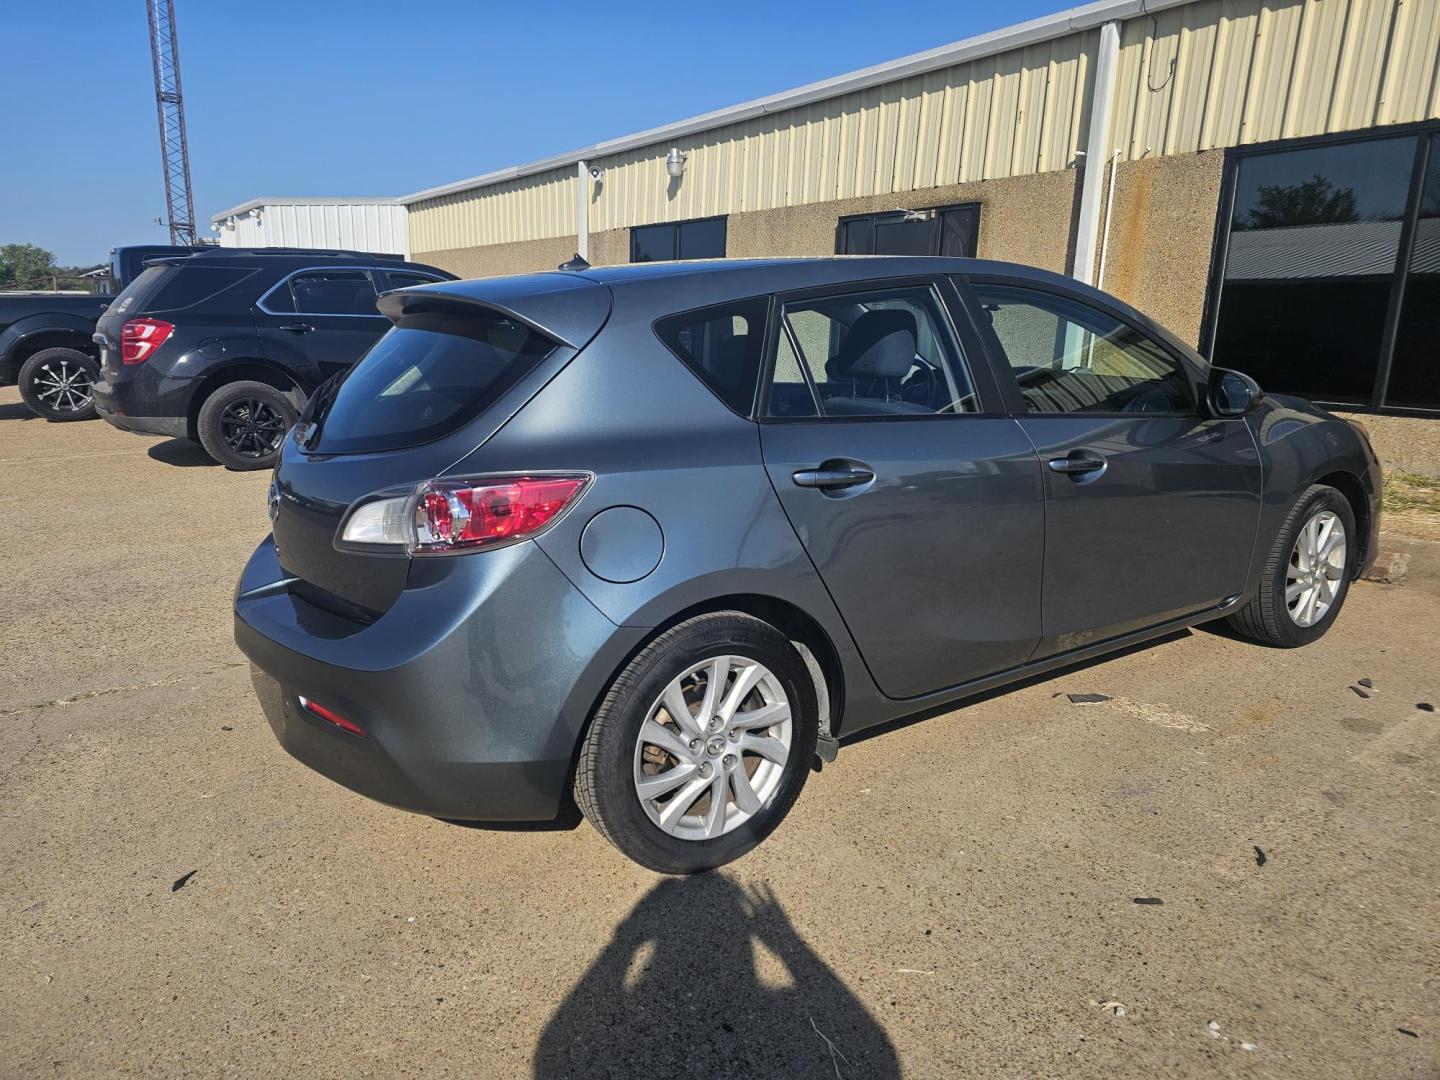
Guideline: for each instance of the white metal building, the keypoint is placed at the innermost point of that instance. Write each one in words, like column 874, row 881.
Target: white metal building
column 378, row 225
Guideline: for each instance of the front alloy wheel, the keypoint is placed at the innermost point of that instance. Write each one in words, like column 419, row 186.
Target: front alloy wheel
column 1317, row 567
column 1306, row 572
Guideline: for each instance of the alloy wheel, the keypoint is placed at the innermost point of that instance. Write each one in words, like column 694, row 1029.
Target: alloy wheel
column 63, row 386
column 1317, row 569
column 252, row 428
column 712, row 749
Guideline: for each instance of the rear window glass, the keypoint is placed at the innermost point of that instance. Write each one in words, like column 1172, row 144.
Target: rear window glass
column 722, row 345
column 170, row 288
column 431, row 374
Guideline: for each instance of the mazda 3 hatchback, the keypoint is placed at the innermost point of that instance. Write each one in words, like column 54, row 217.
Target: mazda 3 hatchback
column 659, row 536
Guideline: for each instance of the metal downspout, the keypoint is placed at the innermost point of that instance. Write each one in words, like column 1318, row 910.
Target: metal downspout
column 582, row 210
column 1097, row 150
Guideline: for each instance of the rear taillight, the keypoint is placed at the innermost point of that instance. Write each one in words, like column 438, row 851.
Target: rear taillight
column 445, row 516
column 139, row 338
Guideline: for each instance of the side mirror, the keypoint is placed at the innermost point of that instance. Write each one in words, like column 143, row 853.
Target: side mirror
column 1233, row 393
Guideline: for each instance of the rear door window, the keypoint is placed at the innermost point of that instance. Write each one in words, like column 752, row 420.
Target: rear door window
column 431, row 374
column 722, row 345
column 333, row 292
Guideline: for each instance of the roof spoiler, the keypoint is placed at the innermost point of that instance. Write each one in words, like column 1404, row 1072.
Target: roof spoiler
column 568, row 308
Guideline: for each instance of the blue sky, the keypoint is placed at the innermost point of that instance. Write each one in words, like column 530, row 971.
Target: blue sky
column 325, row 97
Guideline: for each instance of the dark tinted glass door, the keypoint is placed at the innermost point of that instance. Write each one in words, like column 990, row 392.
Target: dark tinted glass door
column 1314, row 238
column 1415, row 370
column 700, row 239
column 950, row 230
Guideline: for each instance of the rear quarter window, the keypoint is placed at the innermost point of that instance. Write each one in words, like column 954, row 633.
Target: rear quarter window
column 722, row 345
column 427, row 377
column 172, row 288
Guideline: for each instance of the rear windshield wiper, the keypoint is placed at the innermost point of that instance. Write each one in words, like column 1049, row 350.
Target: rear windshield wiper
column 319, row 406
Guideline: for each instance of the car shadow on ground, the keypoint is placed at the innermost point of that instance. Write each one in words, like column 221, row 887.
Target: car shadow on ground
column 182, row 453
column 707, row 978
column 17, row 410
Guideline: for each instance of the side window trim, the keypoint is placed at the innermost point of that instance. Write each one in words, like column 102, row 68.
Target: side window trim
column 1000, row 364
column 368, row 271
column 972, row 352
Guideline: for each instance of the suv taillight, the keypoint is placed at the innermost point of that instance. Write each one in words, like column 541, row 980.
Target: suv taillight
column 139, row 338
column 454, row 515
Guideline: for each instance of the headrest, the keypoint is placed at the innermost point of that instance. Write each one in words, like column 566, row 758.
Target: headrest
column 880, row 345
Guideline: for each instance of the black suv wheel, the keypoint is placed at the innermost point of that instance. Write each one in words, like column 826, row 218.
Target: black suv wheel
column 242, row 424
column 56, row 384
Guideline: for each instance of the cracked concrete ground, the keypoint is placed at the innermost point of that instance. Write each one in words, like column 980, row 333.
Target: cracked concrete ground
column 951, row 898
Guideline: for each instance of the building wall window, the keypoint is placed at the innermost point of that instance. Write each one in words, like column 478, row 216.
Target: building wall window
column 943, row 230
column 703, row 238
column 1331, row 271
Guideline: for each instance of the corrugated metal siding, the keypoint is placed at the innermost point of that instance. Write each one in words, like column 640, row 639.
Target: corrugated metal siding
column 1001, row 116
column 1201, row 76
column 1232, row 72
column 528, row 209
column 360, row 226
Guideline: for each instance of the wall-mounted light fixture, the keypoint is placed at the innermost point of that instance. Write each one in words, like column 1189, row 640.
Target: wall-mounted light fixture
column 675, row 161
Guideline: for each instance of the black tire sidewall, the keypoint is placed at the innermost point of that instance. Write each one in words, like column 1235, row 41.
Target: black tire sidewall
column 28, row 371
column 626, row 707
column 1322, row 498
column 208, row 423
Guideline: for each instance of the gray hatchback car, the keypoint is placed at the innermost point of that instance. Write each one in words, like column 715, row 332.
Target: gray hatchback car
column 661, row 535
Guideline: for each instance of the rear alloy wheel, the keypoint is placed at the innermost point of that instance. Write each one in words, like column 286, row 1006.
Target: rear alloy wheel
column 243, row 424
column 1306, row 573
column 701, row 746
column 56, row 384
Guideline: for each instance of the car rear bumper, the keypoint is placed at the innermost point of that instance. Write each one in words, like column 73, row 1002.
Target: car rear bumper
column 472, row 691
column 144, row 401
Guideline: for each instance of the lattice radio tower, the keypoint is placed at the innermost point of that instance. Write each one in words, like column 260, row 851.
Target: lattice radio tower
column 170, row 107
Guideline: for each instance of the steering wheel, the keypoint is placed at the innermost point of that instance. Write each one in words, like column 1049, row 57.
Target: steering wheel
column 923, row 387
column 1153, row 400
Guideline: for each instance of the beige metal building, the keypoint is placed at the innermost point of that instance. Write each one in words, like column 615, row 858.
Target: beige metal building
column 1262, row 115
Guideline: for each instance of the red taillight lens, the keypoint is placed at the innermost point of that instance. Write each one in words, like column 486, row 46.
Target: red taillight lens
column 139, row 338
column 454, row 516
column 332, row 717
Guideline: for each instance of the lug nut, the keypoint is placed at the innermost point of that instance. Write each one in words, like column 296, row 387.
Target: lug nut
column 729, row 761
column 735, row 734
column 705, row 769
column 715, row 724
column 694, row 744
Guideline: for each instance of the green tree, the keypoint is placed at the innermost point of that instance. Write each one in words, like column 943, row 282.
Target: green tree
column 24, row 265
column 1310, row 202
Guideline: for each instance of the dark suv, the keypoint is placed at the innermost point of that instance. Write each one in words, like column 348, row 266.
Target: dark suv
column 225, row 346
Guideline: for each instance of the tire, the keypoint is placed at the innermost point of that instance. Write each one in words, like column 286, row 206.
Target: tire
column 56, row 384
column 242, row 424
column 1270, row 618
column 613, row 758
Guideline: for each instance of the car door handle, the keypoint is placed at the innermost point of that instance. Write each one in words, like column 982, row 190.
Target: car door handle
column 822, row 477
column 1077, row 464
column 296, row 328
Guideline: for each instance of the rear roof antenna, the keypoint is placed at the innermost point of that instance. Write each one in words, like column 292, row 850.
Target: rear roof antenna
column 577, row 263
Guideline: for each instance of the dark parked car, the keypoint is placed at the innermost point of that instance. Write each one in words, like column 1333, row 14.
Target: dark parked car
column 661, row 534
column 225, row 346
column 45, row 338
